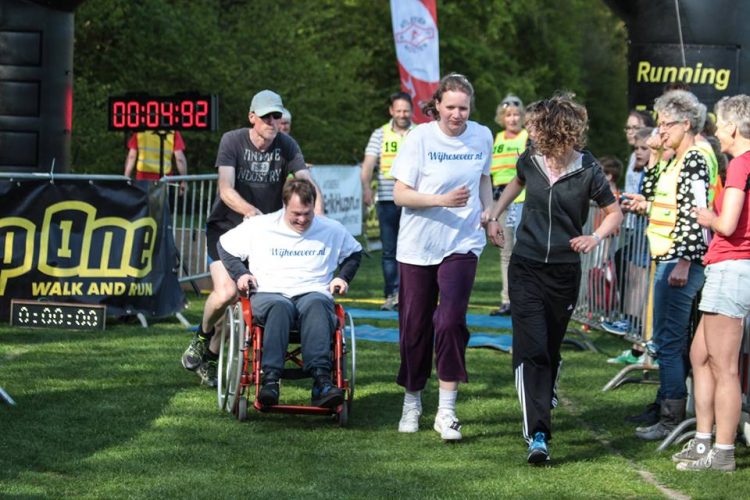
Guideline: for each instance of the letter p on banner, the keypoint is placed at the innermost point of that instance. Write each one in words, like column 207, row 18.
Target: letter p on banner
column 416, row 35
column 17, row 246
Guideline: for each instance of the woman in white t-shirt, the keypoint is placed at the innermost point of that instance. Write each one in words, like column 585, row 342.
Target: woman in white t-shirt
column 443, row 184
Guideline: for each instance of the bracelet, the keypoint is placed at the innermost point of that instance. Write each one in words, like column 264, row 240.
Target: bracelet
column 596, row 237
column 492, row 219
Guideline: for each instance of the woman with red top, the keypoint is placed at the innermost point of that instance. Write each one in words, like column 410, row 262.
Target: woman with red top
column 725, row 301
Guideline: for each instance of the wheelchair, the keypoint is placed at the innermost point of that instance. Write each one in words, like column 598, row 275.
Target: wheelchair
column 240, row 355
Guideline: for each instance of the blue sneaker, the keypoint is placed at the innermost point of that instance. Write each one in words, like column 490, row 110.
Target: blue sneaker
column 538, row 452
column 324, row 393
column 625, row 358
column 621, row 327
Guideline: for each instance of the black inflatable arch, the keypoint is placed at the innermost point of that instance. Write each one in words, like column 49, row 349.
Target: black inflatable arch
column 701, row 43
column 36, row 84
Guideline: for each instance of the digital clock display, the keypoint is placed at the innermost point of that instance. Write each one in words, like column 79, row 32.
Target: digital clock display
column 188, row 111
column 57, row 315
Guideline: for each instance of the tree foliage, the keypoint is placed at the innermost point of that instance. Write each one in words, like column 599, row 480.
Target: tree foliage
column 334, row 63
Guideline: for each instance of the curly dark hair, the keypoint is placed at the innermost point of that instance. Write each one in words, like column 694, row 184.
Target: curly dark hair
column 557, row 123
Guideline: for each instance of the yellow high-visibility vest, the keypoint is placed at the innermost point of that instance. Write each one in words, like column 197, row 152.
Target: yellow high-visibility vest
column 714, row 179
column 389, row 148
column 150, row 152
column 662, row 217
column 505, row 153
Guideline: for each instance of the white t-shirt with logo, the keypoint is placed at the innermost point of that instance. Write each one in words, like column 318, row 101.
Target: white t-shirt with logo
column 432, row 162
column 286, row 262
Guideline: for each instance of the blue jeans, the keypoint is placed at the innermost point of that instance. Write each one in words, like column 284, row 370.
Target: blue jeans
column 671, row 312
column 389, row 218
column 312, row 313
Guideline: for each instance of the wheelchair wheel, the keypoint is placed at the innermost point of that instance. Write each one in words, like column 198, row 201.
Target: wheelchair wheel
column 343, row 416
column 350, row 357
column 230, row 358
column 242, row 409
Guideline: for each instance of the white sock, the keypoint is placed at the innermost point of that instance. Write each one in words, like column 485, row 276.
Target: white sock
column 705, row 436
column 413, row 399
column 724, row 446
column 447, row 402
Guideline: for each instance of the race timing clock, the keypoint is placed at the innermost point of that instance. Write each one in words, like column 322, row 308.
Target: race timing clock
column 71, row 316
column 184, row 111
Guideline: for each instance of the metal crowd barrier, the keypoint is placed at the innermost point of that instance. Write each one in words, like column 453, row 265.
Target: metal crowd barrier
column 615, row 288
column 614, row 281
column 190, row 209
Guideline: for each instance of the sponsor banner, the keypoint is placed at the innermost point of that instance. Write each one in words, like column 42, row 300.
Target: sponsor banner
column 342, row 192
column 711, row 71
column 415, row 33
column 73, row 241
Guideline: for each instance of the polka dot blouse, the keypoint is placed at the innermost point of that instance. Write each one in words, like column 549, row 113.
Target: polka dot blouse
column 687, row 233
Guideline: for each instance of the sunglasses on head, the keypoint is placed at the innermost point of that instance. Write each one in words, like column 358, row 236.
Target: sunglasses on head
column 512, row 102
column 275, row 115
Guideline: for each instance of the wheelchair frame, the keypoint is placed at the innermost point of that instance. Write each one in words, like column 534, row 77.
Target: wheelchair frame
column 240, row 358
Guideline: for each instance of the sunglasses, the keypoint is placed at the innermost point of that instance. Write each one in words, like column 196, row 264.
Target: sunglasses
column 275, row 115
column 512, row 102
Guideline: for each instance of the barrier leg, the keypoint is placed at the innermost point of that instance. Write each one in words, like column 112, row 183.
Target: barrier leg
column 5, row 397
column 183, row 320
column 621, row 378
column 142, row 320
column 678, row 434
column 580, row 340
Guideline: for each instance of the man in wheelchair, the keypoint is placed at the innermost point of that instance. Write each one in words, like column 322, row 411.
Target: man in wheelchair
column 292, row 256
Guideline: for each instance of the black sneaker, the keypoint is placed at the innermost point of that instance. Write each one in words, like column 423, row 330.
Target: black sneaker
column 208, row 372
column 649, row 417
column 193, row 355
column 269, row 391
column 503, row 310
column 324, row 393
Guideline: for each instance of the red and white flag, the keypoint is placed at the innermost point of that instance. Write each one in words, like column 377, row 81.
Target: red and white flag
column 416, row 35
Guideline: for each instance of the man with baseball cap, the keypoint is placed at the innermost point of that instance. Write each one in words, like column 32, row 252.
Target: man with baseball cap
column 253, row 164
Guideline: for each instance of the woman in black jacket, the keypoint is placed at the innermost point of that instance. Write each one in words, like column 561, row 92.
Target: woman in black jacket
column 545, row 269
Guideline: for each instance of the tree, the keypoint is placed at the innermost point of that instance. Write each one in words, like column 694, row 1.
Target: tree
column 334, row 64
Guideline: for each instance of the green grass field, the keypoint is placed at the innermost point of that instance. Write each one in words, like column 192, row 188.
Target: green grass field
column 113, row 415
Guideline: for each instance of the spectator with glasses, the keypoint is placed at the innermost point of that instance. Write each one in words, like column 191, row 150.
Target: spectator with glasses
column 671, row 190
column 636, row 121
column 253, row 164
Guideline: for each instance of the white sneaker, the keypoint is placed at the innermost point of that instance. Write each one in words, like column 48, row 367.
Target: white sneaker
column 448, row 426
column 409, row 419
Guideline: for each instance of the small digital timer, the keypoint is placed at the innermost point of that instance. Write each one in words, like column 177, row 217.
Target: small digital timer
column 186, row 111
column 37, row 314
